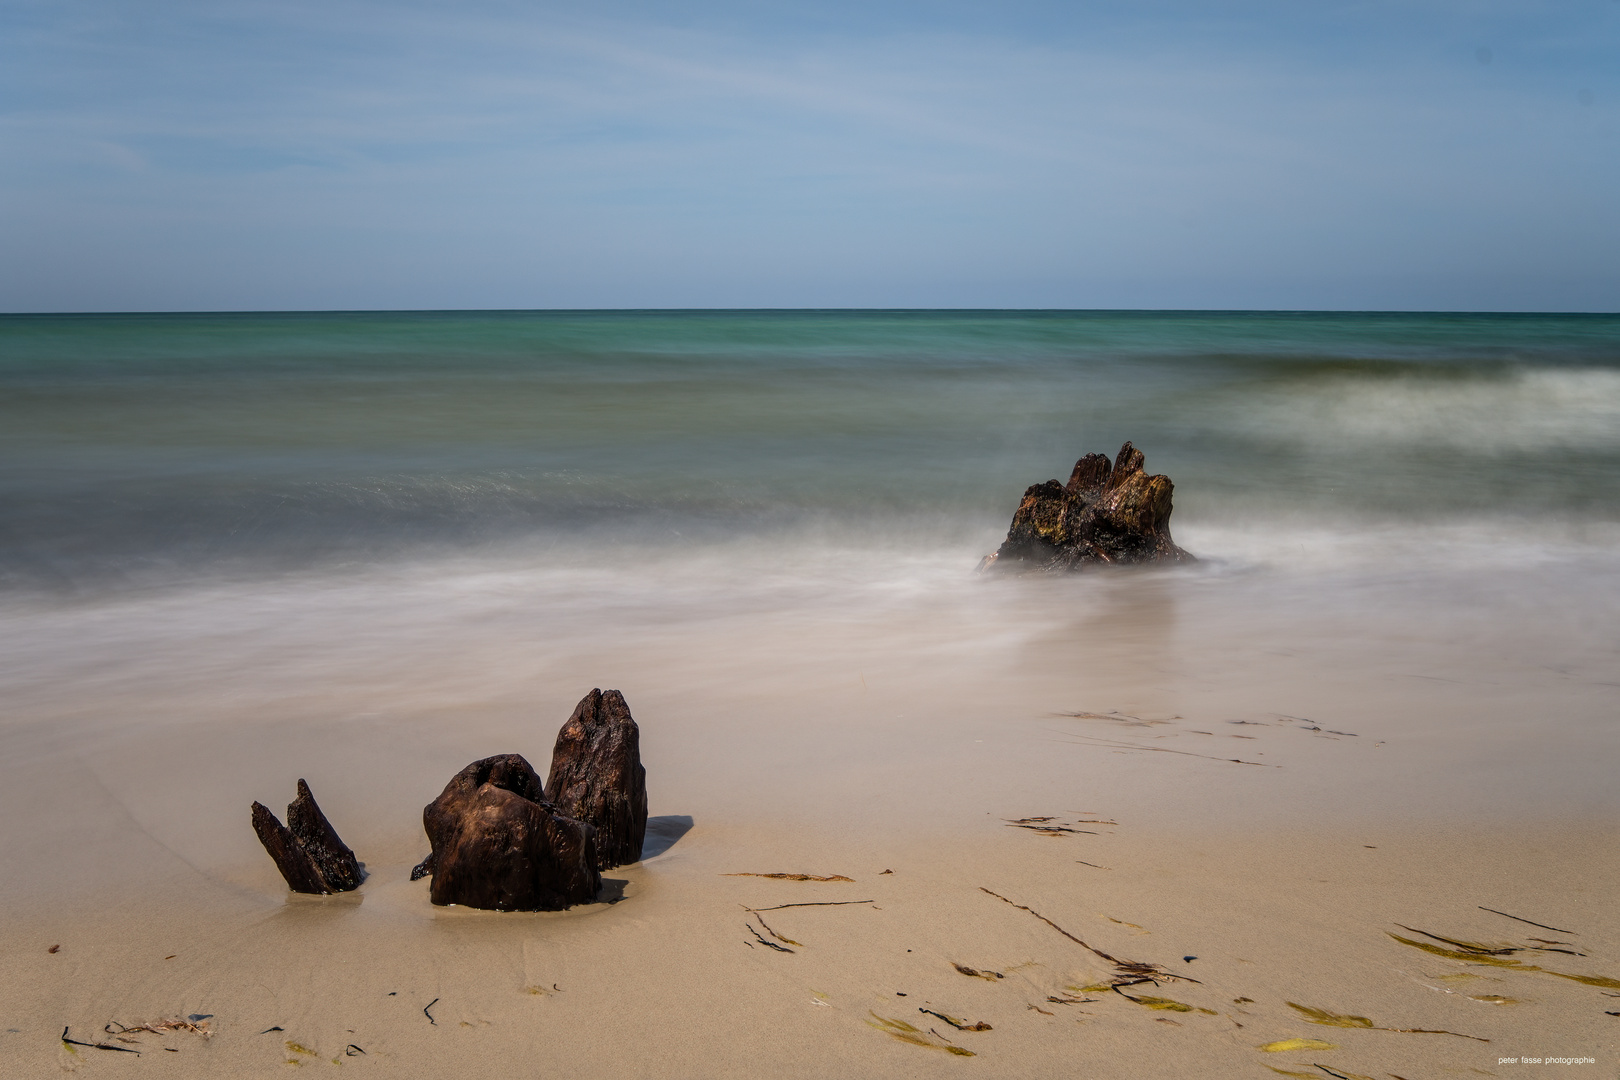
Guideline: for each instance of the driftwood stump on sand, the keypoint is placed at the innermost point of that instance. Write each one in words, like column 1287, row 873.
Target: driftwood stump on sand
column 498, row 844
column 307, row 849
column 597, row 776
column 1106, row 514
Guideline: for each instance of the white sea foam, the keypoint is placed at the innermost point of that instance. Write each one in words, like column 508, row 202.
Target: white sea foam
column 1528, row 410
column 453, row 629
column 1358, row 548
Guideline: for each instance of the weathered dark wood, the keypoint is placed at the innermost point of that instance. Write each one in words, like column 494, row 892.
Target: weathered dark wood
column 336, row 862
column 1108, row 513
column 309, row 854
column 597, row 776
column 498, row 844
column 1090, row 473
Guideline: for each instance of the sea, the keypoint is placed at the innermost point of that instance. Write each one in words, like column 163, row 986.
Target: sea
column 380, row 527
column 156, row 452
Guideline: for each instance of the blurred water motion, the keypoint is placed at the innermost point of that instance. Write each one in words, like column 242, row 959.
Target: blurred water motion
column 140, row 450
column 234, row 549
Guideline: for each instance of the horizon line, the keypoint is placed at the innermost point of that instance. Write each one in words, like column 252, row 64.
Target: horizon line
column 801, row 311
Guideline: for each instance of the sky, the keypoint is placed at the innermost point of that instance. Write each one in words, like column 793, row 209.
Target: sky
column 350, row 154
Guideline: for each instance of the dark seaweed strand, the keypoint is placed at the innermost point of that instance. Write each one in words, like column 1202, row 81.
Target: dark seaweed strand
column 1515, row 918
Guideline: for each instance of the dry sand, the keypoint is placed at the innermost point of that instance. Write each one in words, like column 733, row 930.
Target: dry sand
column 1400, row 762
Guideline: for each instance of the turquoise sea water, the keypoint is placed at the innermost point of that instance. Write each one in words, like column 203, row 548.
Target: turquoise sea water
column 144, row 450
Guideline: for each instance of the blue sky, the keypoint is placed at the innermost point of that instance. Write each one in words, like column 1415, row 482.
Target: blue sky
column 291, row 155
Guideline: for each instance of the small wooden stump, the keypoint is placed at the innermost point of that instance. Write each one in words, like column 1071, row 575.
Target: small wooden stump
column 499, row 845
column 307, row 849
column 1107, row 514
column 597, row 776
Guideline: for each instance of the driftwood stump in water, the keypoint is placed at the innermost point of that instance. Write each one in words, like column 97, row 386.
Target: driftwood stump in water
column 1106, row 514
column 307, row 849
column 498, row 844
column 597, row 777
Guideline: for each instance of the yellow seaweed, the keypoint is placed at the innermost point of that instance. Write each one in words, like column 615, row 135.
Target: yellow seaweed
column 1330, row 1019
column 1501, row 948
column 1168, row 1003
column 1454, row 954
column 908, row 1037
column 1290, row 1072
column 1282, row 1045
column 905, row 1032
column 297, row 1049
column 1499, row 961
column 1588, row 980
column 893, row 1025
column 1162, row 1003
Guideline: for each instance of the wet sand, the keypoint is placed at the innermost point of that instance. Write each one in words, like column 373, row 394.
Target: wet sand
column 1408, row 752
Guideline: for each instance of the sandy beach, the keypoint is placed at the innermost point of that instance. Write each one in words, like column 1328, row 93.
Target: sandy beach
column 1284, row 796
column 1105, row 517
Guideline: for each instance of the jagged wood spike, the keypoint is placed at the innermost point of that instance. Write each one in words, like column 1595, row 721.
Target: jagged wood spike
column 597, row 776
column 337, row 865
column 294, row 862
